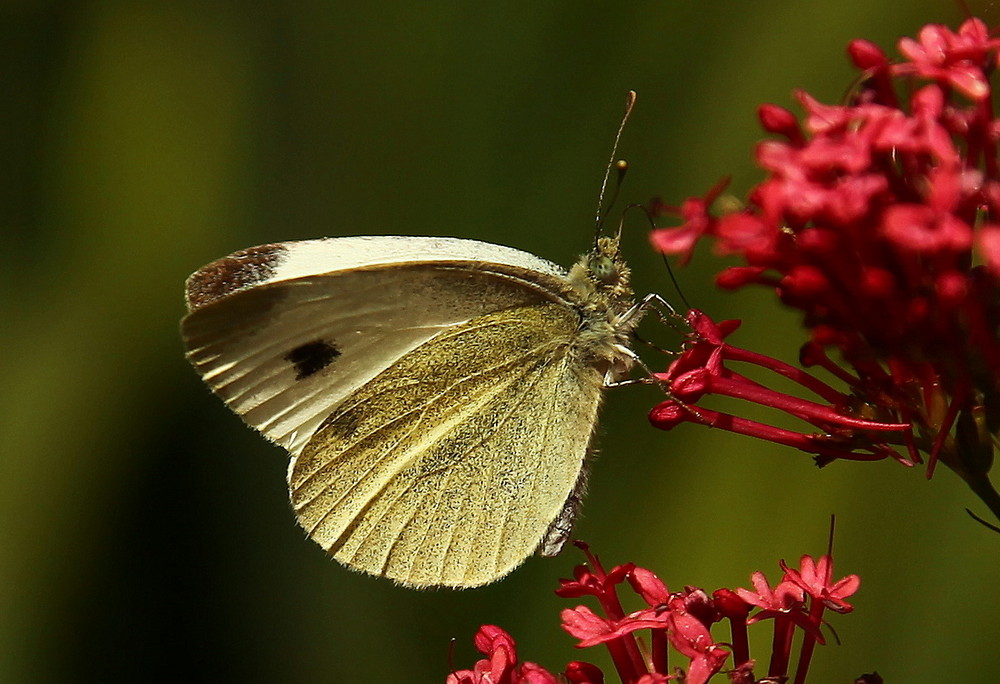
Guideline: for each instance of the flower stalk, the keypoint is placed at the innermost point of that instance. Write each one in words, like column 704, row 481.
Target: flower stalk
column 701, row 370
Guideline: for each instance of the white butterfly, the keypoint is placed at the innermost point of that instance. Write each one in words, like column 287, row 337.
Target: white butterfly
column 437, row 396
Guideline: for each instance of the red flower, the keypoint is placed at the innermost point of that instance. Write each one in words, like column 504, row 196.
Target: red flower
column 692, row 639
column 650, row 587
column 500, row 665
column 787, row 597
column 880, row 221
column 592, row 580
column 591, row 629
column 955, row 59
column 814, row 578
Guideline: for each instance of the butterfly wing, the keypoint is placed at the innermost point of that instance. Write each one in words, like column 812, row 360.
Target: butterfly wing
column 449, row 466
column 284, row 333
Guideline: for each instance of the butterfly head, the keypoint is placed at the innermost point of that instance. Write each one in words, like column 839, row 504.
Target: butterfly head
column 603, row 277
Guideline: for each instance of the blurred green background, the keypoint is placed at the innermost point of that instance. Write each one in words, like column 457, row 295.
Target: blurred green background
column 145, row 532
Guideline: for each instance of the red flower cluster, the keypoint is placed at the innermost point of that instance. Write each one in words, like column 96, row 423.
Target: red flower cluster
column 880, row 220
column 681, row 621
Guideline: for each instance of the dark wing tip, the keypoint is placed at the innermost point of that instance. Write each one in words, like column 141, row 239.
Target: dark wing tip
column 233, row 273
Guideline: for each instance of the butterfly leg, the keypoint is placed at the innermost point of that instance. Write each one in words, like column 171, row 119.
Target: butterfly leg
column 653, row 301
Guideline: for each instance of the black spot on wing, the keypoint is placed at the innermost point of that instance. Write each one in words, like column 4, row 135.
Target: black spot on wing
column 312, row 357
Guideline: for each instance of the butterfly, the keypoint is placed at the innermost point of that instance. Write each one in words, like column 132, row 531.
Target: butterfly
column 437, row 396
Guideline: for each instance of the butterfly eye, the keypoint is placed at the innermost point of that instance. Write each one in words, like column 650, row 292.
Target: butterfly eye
column 604, row 269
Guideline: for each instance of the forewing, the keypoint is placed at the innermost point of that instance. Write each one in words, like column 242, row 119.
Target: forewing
column 283, row 341
column 449, row 467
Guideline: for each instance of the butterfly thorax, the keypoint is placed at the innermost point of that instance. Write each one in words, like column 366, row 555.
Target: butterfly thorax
column 601, row 280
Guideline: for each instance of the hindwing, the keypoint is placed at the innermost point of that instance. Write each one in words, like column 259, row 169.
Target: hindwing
column 449, row 466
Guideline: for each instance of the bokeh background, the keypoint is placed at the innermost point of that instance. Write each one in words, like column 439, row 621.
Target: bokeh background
column 145, row 532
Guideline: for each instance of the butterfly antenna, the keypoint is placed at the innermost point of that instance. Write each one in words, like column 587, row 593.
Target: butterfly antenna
column 620, row 165
column 670, row 271
column 673, row 279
